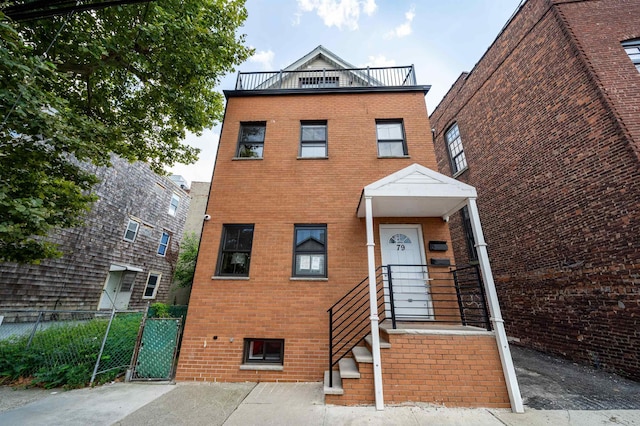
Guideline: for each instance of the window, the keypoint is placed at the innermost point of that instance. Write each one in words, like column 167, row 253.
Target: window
column 310, row 251
column 235, row 250
column 153, row 282
column 468, row 234
column 390, row 138
column 318, row 82
column 632, row 47
column 456, row 153
column 267, row 351
column 164, row 243
column 313, row 139
column 132, row 231
column 251, row 142
column 173, row 205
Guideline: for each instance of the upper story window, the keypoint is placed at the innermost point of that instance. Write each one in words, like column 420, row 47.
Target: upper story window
column 310, row 251
column 153, row 281
column 132, row 231
column 313, row 139
column 318, row 82
column 456, row 152
column 263, row 351
column 391, row 141
column 164, row 243
column 251, row 140
column 632, row 47
column 235, row 250
column 173, row 205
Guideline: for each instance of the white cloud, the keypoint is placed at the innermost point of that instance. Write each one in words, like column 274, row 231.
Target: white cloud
column 263, row 57
column 339, row 13
column 379, row 61
column 403, row 29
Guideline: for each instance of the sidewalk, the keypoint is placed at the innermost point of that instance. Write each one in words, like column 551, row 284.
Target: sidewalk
column 235, row 404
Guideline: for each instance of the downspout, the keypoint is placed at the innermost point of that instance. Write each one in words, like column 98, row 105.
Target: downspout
column 494, row 308
column 373, row 306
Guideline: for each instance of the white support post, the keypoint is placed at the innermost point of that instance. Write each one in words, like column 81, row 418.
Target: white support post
column 373, row 306
column 494, row 308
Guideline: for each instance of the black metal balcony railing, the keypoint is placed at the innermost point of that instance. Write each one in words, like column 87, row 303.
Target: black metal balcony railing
column 449, row 297
column 327, row 78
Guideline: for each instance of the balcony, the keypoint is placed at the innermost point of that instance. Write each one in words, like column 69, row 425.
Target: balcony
column 327, row 79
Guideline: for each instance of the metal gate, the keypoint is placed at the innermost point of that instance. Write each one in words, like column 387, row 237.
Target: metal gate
column 156, row 353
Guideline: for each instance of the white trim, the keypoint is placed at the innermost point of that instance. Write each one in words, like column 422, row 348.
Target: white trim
column 135, row 233
column 155, row 289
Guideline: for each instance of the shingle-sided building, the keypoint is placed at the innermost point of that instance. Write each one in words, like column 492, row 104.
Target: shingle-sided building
column 328, row 252
column 122, row 257
column 547, row 128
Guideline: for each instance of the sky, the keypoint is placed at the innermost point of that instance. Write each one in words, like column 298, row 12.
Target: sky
column 440, row 38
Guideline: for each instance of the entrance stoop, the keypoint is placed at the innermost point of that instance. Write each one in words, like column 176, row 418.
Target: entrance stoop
column 454, row 366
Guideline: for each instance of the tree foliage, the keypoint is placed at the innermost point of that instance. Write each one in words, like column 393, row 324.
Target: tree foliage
column 75, row 89
column 186, row 265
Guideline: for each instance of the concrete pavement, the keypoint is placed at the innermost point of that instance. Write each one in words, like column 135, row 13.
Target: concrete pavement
column 282, row 404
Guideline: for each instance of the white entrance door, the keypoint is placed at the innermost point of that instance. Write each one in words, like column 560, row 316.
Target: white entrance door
column 117, row 290
column 403, row 250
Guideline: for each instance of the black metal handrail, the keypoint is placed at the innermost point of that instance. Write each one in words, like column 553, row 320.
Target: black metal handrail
column 327, row 78
column 452, row 296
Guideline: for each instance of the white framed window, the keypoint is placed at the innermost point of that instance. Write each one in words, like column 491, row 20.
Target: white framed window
column 173, row 205
column 164, row 243
column 131, row 232
column 632, row 47
column 456, row 152
column 151, row 288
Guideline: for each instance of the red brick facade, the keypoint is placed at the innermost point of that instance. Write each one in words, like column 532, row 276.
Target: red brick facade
column 549, row 124
column 276, row 192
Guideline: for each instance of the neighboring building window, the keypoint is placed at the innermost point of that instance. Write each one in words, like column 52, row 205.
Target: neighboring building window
column 132, row 231
column 235, row 250
column 173, row 205
column 263, row 351
column 468, row 234
column 313, row 139
column 153, row 282
column 318, row 82
column 391, row 141
column 251, row 140
column 456, row 153
column 632, row 47
column 164, row 243
column 310, row 251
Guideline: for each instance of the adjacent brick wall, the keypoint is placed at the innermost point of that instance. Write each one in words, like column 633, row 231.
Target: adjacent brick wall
column 549, row 123
column 76, row 280
column 274, row 194
column 448, row 370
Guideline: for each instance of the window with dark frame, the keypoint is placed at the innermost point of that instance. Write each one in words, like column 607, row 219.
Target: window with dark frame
column 310, row 251
column 235, row 251
column 251, row 140
column 632, row 47
column 164, row 243
column 263, row 351
column 456, row 152
column 313, row 139
column 391, row 142
column 468, row 234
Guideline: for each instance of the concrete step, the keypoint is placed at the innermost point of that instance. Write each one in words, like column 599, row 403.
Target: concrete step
column 384, row 344
column 337, row 383
column 362, row 354
column 348, row 369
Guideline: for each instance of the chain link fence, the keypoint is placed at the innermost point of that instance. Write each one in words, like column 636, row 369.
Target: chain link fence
column 67, row 348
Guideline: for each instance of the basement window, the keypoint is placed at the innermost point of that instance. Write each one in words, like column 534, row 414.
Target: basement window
column 263, row 351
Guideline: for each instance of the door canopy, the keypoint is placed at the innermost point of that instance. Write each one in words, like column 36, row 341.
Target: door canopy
column 416, row 191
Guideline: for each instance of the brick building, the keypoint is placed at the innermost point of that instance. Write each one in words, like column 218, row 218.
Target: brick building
column 324, row 193
column 547, row 128
column 124, row 255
